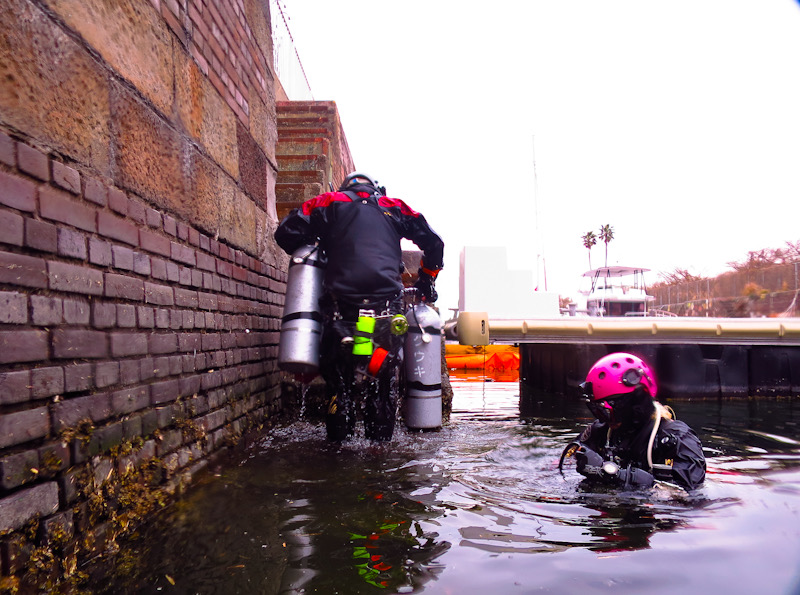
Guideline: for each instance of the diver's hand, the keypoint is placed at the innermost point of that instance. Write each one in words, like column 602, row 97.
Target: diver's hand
column 424, row 286
column 588, row 462
column 632, row 477
column 628, row 477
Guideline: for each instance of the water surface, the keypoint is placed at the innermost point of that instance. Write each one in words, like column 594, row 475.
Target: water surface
column 480, row 507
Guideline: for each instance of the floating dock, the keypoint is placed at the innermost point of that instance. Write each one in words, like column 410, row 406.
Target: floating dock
column 692, row 357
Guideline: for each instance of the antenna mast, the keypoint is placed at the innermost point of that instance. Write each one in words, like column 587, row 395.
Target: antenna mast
column 539, row 243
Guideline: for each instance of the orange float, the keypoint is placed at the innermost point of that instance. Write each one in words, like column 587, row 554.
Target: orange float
column 492, row 362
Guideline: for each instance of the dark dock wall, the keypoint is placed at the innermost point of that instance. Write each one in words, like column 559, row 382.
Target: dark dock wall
column 140, row 287
column 682, row 371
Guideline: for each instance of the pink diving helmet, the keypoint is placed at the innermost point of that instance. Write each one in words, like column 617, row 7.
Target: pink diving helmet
column 619, row 374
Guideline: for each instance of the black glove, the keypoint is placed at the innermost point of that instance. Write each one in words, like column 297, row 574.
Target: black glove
column 635, row 478
column 424, row 286
column 591, row 464
column 588, row 462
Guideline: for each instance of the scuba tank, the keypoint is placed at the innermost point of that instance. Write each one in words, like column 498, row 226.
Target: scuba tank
column 301, row 325
column 423, row 368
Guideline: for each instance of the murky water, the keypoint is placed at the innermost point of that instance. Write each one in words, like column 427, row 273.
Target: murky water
column 480, row 507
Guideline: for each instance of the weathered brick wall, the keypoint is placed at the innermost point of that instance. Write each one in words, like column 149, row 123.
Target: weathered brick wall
column 140, row 287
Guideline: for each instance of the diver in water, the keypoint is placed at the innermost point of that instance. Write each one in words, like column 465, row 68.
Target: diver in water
column 635, row 440
column 359, row 230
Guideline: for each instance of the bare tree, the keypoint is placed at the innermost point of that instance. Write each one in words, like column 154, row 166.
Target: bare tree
column 766, row 257
column 675, row 277
column 793, row 251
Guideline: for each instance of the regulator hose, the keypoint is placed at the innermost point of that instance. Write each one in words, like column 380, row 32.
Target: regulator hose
column 569, row 450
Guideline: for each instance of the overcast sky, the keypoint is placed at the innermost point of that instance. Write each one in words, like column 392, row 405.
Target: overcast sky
column 677, row 123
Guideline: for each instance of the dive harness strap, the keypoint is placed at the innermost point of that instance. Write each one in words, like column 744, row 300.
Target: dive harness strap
column 315, row 316
column 319, row 263
column 417, row 385
column 351, row 309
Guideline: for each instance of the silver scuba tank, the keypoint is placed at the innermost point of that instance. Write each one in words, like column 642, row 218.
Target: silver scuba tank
column 423, row 368
column 301, row 325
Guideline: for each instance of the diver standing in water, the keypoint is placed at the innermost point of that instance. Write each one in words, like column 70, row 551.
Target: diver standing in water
column 358, row 230
column 635, row 440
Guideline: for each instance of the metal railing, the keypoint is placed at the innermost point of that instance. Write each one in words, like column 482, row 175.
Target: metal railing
column 285, row 56
column 476, row 328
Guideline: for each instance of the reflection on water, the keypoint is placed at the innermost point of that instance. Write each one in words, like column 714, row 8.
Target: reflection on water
column 467, row 509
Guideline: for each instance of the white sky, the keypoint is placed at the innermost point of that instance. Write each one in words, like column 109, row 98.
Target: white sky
column 678, row 123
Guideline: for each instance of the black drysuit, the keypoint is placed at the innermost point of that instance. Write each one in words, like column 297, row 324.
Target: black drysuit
column 677, row 454
column 360, row 232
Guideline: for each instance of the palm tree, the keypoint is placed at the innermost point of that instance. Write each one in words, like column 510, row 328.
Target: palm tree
column 589, row 240
column 606, row 235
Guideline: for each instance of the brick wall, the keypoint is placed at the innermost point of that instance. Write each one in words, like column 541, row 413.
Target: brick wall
column 140, row 286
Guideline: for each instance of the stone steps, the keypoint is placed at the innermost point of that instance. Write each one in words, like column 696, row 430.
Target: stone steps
column 292, row 163
column 309, row 152
column 306, row 121
column 302, row 145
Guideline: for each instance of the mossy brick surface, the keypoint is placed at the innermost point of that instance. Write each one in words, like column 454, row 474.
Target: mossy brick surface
column 18, row 469
column 20, row 507
column 69, row 413
column 104, row 439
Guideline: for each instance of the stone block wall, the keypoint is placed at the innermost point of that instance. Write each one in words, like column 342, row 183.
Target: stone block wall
column 140, row 287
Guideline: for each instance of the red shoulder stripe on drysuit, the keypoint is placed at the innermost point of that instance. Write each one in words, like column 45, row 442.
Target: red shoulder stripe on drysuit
column 385, row 201
column 324, row 200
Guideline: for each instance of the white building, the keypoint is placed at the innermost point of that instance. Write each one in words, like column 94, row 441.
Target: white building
column 485, row 284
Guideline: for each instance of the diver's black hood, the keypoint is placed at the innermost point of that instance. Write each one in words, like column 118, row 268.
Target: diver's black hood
column 634, row 410
column 369, row 188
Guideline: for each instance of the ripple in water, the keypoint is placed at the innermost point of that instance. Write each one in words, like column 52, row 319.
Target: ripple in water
column 468, row 508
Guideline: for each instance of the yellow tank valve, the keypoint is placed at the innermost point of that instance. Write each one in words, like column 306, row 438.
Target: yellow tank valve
column 399, row 325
